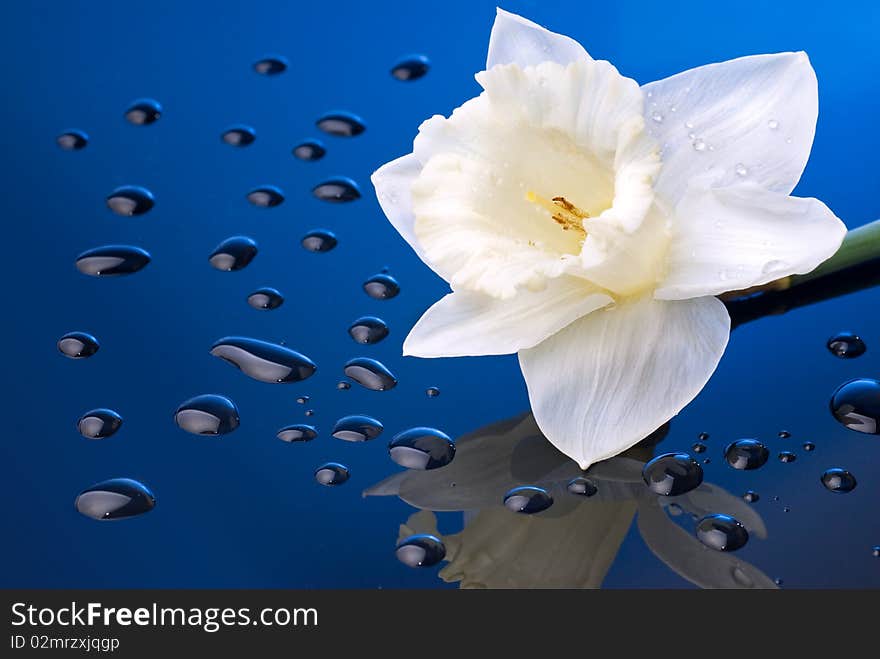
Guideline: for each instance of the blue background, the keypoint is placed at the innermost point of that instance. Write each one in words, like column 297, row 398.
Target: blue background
column 244, row 510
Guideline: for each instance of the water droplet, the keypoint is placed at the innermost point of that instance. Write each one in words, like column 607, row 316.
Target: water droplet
column 422, row 550
column 751, row 496
column 846, row 345
column 657, row 117
column 722, row 532
column 332, row 473
column 740, row 169
column 370, row 373
column 239, row 135
column 265, row 299
column 856, row 404
column 342, row 385
column 703, row 436
column 298, row 432
column 233, row 254
column 746, row 454
column 302, row 400
column 528, row 499
column 432, row 392
column 787, row 456
column 266, row 196
column 341, row 124
column 672, row 474
column 357, row 428
column 116, row 498
column 698, row 448
column 78, row 345
column 688, row 125
column 788, row 140
column 99, row 423
column 582, row 487
column 271, row 65
column 674, row 510
column 319, row 240
column 72, row 140
column 207, row 414
column 411, row 67
column 707, row 460
column 838, row 480
column 783, row 434
column 421, row 448
column 263, row 361
column 309, row 150
column 875, row 551
column 809, row 446
column 368, row 329
column 381, row 287
column 130, row 200
column 699, row 144
column 112, row 260
column 143, row 112
column 772, row 124
column 778, row 581
column 337, row 190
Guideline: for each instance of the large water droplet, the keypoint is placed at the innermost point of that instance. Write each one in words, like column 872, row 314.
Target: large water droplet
column 370, row 373
column 838, row 480
column 672, row 474
column 582, row 487
column 846, row 345
column 99, row 424
column 411, row 67
column 112, row 260
column 265, row 299
column 746, row 454
column 116, row 498
column 528, row 499
column 208, row 414
column 422, row 550
column 381, row 287
column 263, row 361
column 266, row 196
column 319, row 240
column 422, row 448
column 143, row 112
column 72, row 140
column 722, row 532
column 337, row 190
column 310, row 150
column 332, row 473
column 368, row 329
column 239, row 135
column 357, row 428
column 271, row 65
column 341, row 124
column 233, row 253
column 298, row 432
column 78, row 345
column 130, row 200
column 856, row 404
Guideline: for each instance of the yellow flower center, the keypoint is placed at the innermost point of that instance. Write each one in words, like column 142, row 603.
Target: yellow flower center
column 563, row 212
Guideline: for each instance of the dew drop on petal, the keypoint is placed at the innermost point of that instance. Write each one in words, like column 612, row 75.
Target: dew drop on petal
column 699, row 144
column 740, row 169
column 772, row 124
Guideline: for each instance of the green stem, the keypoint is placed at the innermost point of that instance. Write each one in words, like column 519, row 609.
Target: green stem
column 860, row 245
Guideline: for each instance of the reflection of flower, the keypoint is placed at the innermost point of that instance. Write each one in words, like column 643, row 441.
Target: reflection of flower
column 586, row 223
column 575, row 541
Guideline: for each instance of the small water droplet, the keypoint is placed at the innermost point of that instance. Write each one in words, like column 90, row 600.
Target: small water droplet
column 310, row 412
column 332, row 473
column 703, row 436
column 528, row 499
column 78, row 345
column 432, row 392
column 672, row 474
column 783, row 434
column 846, row 345
column 266, row 196
column 357, row 428
column 788, row 140
column 657, row 117
column 722, row 532
column 239, row 135
column 787, row 456
column 856, row 404
column 130, row 200
column 809, row 446
column 698, row 448
column 582, row 487
column 786, row 509
column 746, row 454
column 381, row 287
column 99, row 424
column 233, row 254
column 751, row 496
column 263, row 361
column 265, row 299
column 337, row 190
column 341, row 124
column 674, row 510
column 319, row 240
column 298, row 432
column 772, row 124
column 778, row 581
column 422, row 448
column 411, row 67
column 116, row 498
column 342, row 385
column 271, row 65
column 368, row 330
column 302, row 400
column 72, row 140
column 838, row 480
column 370, row 373
column 112, row 260
column 740, row 169
column 699, row 144
column 309, row 150
column 143, row 112
column 207, row 414
column 875, row 551
column 422, row 550
column 688, row 125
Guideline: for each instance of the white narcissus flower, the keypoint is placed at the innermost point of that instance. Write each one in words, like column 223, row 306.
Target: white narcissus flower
column 587, row 223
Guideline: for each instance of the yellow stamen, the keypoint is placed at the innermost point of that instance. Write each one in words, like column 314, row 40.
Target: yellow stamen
column 563, row 212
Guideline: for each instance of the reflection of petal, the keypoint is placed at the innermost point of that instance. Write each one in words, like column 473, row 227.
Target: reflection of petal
column 710, row 498
column 689, row 558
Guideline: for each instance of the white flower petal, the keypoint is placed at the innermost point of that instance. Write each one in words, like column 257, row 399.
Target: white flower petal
column 751, row 118
column 607, row 380
column 516, row 40
column 468, row 324
column 733, row 238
